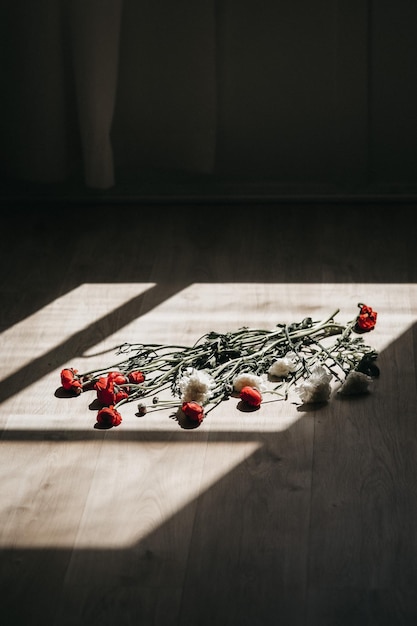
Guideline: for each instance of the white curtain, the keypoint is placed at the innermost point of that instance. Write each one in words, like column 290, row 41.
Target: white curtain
column 94, row 38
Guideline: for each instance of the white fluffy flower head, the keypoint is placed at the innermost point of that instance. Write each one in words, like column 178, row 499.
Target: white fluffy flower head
column 284, row 365
column 248, row 380
column 316, row 388
column 196, row 386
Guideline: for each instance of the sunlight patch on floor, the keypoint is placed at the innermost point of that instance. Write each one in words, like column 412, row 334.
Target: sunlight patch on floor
column 40, row 469
column 59, row 321
column 112, row 517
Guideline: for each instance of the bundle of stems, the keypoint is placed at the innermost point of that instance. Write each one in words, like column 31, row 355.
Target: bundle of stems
column 223, row 357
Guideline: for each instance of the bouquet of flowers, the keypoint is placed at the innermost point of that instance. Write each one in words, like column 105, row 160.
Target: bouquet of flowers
column 249, row 363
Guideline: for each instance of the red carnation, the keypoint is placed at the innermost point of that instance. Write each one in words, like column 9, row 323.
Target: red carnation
column 366, row 319
column 117, row 378
column 109, row 416
column 194, row 411
column 136, row 377
column 251, row 396
column 107, row 392
column 70, row 380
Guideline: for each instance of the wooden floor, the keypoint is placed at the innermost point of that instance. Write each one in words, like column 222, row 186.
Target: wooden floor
column 276, row 517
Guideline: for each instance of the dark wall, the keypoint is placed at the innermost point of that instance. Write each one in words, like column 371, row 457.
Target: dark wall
column 224, row 97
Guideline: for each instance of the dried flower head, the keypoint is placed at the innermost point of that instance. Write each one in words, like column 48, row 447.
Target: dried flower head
column 356, row 383
column 70, row 380
column 251, row 395
column 196, row 385
column 142, row 408
column 194, row 411
column 284, row 365
column 315, row 388
column 248, row 380
column 108, row 416
column 366, row 319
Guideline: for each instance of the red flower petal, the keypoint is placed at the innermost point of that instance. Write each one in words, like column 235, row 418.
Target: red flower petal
column 366, row 319
column 107, row 392
column 251, row 396
column 117, row 378
column 136, row 377
column 109, row 416
column 70, row 380
column 194, row 411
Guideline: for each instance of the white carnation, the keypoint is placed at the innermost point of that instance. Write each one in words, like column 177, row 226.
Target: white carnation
column 316, row 388
column 284, row 365
column 248, row 380
column 196, row 386
column 355, row 384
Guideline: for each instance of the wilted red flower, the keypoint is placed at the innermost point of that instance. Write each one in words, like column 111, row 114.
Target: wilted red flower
column 109, row 416
column 251, row 396
column 117, row 377
column 70, row 380
column 193, row 410
column 136, row 377
column 366, row 319
column 107, row 392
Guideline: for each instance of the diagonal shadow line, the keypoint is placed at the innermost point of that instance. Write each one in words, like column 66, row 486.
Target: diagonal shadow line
column 87, row 338
column 67, row 436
